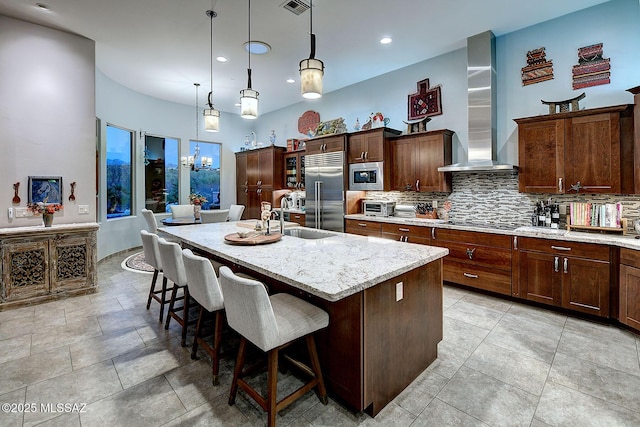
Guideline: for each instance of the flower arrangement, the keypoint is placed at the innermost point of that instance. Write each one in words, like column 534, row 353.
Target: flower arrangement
column 197, row 199
column 44, row 208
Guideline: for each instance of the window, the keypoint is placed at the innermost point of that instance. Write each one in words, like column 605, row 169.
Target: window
column 119, row 172
column 160, row 173
column 206, row 182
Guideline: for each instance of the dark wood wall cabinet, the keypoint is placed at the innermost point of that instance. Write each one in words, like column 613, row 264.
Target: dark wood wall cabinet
column 294, row 170
column 416, row 159
column 326, row 144
column 47, row 263
column 591, row 151
column 258, row 173
column 370, row 145
column 576, row 276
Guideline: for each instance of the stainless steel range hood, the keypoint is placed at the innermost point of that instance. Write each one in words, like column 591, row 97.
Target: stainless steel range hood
column 481, row 99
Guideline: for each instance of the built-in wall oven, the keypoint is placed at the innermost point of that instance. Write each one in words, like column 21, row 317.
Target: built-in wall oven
column 366, row 176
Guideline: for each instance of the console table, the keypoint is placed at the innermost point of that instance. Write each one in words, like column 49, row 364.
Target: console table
column 40, row 264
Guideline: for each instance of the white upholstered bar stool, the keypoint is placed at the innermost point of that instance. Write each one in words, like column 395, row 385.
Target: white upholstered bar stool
column 150, row 218
column 205, row 289
column 235, row 212
column 182, row 211
column 215, row 215
column 271, row 323
column 152, row 257
column 173, row 269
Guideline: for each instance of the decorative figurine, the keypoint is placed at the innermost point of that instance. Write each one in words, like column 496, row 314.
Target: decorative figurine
column 72, row 196
column 272, row 137
column 16, row 198
column 356, row 125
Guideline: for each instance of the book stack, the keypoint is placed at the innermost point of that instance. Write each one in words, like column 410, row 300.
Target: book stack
column 603, row 215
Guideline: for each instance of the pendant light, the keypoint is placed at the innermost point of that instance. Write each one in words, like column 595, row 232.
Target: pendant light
column 248, row 96
column 196, row 161
column 311, row 69
column 211, row 115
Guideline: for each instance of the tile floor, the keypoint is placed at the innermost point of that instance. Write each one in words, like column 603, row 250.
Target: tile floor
column 500, row 363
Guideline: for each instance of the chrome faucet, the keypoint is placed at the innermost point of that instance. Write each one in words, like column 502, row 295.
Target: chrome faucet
column 283, row 200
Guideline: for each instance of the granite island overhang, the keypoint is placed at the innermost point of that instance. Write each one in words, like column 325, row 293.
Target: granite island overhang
column 384, row 299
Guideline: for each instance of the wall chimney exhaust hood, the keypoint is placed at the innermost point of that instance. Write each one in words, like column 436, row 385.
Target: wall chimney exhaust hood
column 481, row 107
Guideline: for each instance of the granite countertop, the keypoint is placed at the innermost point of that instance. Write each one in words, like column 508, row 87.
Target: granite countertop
column 624, row 241
column 331, row 268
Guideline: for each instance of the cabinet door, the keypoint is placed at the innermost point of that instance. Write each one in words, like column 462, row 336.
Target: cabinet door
column 363, row 228
column 71, row 266
column 267, row 167
column 541, row 277
column 374, row 147
column 291, row 171
column 253, row 168
column 241, row 169
column 356, row 149
column 585, row 286
column 592, row 153
column 630, row 296
column 403, row 172
column 541, row 157
column 252, row 208
column 25, row 269
column 242, row 199
column 314, row 146
column 430, row 155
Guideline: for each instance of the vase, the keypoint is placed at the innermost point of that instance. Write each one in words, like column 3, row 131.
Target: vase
column 196, row 211
column 47, row 219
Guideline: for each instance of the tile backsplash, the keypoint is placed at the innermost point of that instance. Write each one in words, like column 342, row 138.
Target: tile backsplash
column 494, row 198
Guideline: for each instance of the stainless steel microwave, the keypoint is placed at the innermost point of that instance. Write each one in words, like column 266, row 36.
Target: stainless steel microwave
column 366, row 176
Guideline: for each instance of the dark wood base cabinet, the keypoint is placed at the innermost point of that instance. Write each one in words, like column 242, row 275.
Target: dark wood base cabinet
column 575, row 276
column 629, row 312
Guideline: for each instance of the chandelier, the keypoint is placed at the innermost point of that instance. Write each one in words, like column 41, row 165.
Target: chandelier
column 196, row 162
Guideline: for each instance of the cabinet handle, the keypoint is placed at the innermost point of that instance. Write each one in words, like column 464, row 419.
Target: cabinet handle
column 470, row 252
column 246, row 190
column 406, row 230
column 565, row 265
column 560, row 248
column 556, row 262
column 366, row 154
column 560, row 185
column 362, row 224
column 433, row 233
column 401, row 239
column 417, row 185
column 471, row 276
column 515, row 242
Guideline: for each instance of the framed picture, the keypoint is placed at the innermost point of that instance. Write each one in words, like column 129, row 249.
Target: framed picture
column 45, row 189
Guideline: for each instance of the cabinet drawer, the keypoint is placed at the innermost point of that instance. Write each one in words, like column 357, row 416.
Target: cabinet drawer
column 583, row 250
column 363, row 228
column 487, row 278
column 410, row 230
column 486, row 256
column 630, row 257
column 473, row 237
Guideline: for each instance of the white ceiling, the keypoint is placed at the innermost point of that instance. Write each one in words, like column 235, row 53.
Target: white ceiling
column 161, row 47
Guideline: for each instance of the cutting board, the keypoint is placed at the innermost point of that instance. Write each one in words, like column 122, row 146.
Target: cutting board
column 260, row 239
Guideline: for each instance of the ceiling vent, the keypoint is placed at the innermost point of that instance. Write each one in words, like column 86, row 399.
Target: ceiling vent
column 295, row 6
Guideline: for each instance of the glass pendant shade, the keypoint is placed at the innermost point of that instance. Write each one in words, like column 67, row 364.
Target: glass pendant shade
column 311, row 72
column 249, row 104
column 211, row 119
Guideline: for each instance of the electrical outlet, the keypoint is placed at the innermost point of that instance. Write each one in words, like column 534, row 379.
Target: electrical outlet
column 83, row 209
column 435, row 204
column 399, row 291
column 563, row 209
column 10, row 213
column 21, row 212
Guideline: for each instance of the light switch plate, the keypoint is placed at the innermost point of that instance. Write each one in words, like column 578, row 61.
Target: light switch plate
column 399, row 291
column 435, row 204
column 83, row 209
column 10, row 213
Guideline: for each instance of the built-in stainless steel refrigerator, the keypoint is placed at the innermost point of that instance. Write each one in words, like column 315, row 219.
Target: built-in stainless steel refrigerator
column 324, row 184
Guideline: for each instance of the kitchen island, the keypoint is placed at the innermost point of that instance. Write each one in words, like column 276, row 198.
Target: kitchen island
column 384, row 300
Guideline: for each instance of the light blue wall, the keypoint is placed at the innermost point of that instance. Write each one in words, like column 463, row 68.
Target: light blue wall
column 616, row 24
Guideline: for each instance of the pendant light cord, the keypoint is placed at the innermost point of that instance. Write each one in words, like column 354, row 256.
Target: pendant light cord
column 212, row 15
column 312, row 54
column 197, row 115
column 249, row 49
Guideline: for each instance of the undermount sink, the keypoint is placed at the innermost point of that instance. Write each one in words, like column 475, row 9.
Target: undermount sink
column 305, row 233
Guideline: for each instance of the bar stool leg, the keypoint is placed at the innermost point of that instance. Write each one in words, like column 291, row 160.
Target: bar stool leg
column 237, row 370
column 163, row 298
column 272, row 385
column 217, row 340
column 315, row 364
column 195, row 339
column 172, row 301
column 153, row 287
column 185, row 317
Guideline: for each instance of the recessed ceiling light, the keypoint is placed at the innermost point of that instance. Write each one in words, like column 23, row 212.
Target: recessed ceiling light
column 43, row 6
column 257, row 47
column 290, row 81
column 221, row 59
column 386, row 40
